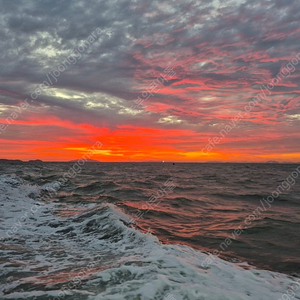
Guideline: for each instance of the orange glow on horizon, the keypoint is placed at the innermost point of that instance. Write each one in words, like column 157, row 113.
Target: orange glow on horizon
column 65, row 141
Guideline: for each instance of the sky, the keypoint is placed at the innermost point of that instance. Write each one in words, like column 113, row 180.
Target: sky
column 185, row 81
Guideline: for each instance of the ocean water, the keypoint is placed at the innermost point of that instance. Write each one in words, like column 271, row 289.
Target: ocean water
column 142, row 231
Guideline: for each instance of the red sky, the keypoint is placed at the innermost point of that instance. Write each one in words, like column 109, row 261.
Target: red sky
column 218, row 56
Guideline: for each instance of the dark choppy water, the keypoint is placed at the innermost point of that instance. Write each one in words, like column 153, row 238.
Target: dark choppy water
column 100, row 215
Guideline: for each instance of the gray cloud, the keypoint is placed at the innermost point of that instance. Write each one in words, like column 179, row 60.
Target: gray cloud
column 238, row 46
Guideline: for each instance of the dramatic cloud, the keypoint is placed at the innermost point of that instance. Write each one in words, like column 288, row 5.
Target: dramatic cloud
column 151, row 80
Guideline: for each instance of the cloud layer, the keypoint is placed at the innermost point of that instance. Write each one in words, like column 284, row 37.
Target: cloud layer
column 102, row 56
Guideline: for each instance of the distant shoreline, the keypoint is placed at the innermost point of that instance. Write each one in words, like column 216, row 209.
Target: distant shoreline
column 3, row 160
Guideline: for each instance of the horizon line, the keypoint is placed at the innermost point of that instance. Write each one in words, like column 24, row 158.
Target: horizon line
column 152, row 161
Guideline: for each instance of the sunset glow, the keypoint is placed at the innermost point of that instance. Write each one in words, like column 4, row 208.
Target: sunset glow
column 179, row 82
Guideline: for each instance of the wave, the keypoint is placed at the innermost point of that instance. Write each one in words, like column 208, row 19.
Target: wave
column 51, row 251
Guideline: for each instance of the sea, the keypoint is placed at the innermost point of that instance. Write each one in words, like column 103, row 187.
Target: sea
column 149, row 231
